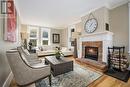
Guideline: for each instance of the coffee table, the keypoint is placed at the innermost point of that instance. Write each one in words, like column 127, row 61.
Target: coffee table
column 59, row 66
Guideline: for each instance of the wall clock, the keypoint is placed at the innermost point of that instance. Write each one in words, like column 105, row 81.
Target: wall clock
column 91, row 25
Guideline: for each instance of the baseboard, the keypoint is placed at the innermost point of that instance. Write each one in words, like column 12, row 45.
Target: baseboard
column 8, row 80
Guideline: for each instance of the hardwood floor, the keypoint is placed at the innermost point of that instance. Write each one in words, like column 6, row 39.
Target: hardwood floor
column 104, row 81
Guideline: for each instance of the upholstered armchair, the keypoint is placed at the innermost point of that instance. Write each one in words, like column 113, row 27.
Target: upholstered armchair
column 31, row 58
column 24, row 73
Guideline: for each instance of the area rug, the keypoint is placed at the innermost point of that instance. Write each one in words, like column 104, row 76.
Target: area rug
column 80, row 77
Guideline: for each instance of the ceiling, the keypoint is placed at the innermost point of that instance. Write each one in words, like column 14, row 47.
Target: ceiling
column 58, row 13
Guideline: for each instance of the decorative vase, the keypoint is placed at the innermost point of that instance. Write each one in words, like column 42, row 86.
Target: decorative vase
column 57, row 56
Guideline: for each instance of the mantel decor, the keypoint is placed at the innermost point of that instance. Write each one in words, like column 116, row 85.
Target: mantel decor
column 91, row 24
column 56, row 38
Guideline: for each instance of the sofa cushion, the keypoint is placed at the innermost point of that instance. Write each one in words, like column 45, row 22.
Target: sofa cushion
column 64, row 49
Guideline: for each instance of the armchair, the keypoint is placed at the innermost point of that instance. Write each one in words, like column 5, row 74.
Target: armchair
column 31, row 58
column 24, row 73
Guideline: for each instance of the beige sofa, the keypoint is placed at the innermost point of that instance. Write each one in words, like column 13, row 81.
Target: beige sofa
column 47, row 51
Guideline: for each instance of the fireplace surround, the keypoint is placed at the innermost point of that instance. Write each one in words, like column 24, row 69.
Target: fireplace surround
column 101, row 40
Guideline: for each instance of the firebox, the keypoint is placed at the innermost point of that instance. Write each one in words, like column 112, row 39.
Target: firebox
column 91, row 53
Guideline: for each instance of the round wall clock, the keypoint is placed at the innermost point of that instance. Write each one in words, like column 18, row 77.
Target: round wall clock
column 91, row 25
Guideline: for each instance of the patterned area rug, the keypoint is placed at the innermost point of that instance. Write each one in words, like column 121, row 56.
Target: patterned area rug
column 80, row 77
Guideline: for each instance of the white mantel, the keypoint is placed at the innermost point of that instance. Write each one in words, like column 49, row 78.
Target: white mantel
column 106, row 37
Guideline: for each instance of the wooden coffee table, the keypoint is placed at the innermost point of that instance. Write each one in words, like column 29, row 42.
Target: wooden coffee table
column 59, row 66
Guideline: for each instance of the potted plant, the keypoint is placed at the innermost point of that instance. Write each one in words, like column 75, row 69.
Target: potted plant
column 58, row 53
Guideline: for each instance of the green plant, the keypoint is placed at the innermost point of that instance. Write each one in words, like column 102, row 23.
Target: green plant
column 58, row 52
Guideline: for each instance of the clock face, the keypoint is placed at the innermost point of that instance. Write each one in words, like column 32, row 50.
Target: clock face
column 91, row 25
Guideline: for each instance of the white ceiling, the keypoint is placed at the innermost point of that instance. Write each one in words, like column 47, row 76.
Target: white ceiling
column 58, row 13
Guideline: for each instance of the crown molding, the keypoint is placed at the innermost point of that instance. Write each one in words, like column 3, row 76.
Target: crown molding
column 118, row 4
column 76, row 22
column 93, row 10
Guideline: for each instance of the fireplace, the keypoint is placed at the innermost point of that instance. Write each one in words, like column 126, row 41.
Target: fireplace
column 91, row 52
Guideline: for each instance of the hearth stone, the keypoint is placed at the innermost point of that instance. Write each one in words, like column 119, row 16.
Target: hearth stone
column 101, row 66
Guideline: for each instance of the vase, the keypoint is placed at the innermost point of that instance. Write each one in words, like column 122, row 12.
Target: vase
column 57, row 57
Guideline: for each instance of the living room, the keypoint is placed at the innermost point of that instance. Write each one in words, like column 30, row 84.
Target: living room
column 65, row 43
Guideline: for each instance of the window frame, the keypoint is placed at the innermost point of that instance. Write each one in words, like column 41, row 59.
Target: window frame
column 49, row 34
column 37, row 34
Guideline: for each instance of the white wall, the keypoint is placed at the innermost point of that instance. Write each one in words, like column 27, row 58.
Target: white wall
column 102, row 16
column 64, row 37
column 56, row 31
column 119, row 25
column 4, row 45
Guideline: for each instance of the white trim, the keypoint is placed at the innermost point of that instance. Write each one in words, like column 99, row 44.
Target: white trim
column 106, row 6
column 98, row 33
column 129, row 27
column 105, row 37
column 76, row 22
column 8, row 80
column 49, row 34
column 118, row 4
column 37, row 30
column 92, row 10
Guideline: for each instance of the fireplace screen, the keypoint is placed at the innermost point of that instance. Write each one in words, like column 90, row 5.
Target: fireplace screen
column 91, row 53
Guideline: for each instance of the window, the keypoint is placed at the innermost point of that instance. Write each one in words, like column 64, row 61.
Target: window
column 33, row 35
column 34, row 42
column 38, row 36
column 45, row 36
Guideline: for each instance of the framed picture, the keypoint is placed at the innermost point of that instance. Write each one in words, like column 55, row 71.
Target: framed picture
column 56, row 38
column 10, row 20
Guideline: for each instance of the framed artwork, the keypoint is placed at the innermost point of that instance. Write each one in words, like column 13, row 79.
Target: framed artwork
column 56, row 38
column 10, row 22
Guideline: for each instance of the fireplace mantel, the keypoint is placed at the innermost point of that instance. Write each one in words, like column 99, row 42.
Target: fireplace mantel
column 106, row 37
column 99, row 33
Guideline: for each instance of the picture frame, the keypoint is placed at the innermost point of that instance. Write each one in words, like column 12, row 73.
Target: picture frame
column 10, row 21
column 56, row 38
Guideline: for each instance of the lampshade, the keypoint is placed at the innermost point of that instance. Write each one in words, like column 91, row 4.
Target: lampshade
column 24, row 35
column 75, row 34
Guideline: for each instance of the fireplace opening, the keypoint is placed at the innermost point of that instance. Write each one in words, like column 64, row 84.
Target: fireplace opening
column 91, row 52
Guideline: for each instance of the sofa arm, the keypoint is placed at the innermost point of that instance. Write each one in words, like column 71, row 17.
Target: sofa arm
column 31, row 62
column 34, row 73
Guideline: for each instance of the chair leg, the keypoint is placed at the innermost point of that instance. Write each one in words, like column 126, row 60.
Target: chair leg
column 50, row 80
